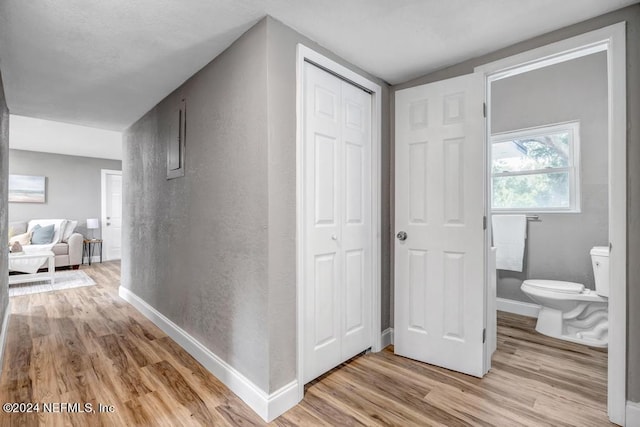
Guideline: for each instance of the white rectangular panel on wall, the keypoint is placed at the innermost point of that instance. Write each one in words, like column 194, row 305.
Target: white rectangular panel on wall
column 337, row 221
column 439, row 206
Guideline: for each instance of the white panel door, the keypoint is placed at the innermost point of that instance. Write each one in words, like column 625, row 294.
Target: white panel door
column 112, row 214
column 337, row 221
column 439, row 266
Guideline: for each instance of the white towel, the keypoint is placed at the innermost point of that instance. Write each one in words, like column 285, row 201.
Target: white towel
column 509, row 234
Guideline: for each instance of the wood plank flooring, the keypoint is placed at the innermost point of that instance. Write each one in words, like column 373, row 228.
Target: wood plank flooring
column 87, row 345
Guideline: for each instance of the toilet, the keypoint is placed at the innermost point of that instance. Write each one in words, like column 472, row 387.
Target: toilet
column 571, row 312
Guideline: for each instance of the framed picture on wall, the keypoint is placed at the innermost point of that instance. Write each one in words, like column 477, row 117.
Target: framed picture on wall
column 27, row 189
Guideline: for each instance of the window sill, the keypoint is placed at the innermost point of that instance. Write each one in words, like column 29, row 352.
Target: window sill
column 534, row 211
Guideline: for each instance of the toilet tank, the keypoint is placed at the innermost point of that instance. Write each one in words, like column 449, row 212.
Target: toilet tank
column 600, row 263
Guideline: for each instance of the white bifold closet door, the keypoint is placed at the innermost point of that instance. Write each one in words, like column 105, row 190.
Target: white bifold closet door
column 337, row 216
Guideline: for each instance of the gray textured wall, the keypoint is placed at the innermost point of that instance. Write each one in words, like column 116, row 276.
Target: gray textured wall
column 282, row 43
column 558, row 246
column 215, row 251
column 631, row 15
column 4, row 214
column 72, row 183
column 195, row 248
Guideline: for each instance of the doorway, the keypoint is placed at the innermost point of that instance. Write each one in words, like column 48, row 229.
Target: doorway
column 111, row 213
column 609, row 41
column 417, row 112
column 338, row 215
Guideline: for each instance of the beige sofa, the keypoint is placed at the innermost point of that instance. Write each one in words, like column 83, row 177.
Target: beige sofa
column 67, row 253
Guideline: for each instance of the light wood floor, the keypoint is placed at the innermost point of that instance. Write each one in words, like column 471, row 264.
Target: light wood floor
column 88, row 345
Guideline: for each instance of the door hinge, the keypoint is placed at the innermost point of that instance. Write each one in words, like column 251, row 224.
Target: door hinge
column 484, row 335
column 484, row 110
column 484, row 222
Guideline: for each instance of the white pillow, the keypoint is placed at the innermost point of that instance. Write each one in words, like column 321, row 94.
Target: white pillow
column 68, row 231
column 58, row 226
column 23, row 239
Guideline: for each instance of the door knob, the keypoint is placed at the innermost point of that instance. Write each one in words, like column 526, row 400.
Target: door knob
column 334, row 237
column 108, row 224
column 402, row 236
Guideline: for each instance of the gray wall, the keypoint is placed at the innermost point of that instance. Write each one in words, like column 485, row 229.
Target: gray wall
column 631, row 15
column 72, row 186
column 195, row 248
column 215, row 251
column 4, row 182
column 558, row 246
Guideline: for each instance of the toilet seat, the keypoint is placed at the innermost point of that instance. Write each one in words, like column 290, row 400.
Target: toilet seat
column 559, row 290
column 555, row 286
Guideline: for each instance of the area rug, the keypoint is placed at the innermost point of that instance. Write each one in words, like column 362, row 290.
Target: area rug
column 63, row 280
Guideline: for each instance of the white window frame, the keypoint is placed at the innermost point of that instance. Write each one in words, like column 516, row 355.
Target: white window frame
column 573, row 128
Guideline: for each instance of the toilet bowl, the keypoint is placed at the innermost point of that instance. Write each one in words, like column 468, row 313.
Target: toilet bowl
column 570, row 311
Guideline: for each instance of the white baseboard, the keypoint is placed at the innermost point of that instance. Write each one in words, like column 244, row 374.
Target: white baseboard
column 3, row 333
column 280, row 401
column 268, row 406
column 387, row 338
column 517, row 307
column 632, row 416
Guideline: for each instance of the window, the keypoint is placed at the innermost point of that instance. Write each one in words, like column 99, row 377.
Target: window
column 537, row 169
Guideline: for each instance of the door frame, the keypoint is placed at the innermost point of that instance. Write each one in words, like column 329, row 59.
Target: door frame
column 103, row 201
column 611, row 39
column 305, row 54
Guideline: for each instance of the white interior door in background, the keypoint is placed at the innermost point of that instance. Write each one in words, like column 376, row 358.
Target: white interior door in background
column 338, row 242
column 439, row 246
column 111, row 214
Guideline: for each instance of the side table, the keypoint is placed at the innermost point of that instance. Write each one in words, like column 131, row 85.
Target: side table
column 89, row 247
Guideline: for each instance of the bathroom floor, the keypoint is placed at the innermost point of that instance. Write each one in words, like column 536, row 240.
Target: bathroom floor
column 556, row 378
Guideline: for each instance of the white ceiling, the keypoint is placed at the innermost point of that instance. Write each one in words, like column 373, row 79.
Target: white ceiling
column 27, row 133
column 105, row 63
